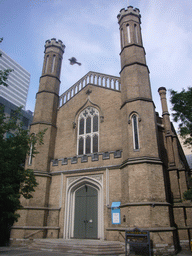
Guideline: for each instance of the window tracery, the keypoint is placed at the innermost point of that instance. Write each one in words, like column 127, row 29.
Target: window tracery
column 88, row 131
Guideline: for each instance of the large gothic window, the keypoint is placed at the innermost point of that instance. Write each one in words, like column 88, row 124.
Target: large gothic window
column 88, row 131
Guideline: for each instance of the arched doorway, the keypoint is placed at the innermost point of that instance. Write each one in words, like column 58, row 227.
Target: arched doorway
column 84, row 202
column 86, row 209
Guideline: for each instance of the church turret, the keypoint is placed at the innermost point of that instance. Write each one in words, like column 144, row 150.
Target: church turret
column 45, row 116
column 134, row 71
column 142, row 171
column 47, row 101
column 137, row 105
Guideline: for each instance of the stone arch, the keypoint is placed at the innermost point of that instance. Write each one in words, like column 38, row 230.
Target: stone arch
column 73, row 184
column 89, row 103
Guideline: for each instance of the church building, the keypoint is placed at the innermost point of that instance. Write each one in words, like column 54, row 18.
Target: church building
column 106, row 146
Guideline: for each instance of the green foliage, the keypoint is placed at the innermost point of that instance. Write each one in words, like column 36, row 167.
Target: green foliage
column 14, row 179
column 187, row 195
column 4, row 73
column 182, row 107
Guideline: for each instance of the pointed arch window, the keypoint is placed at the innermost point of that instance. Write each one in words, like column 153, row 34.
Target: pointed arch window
column 88, row 131
column 135, row 131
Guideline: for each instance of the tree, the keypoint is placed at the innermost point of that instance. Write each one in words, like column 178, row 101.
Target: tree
column 182, row 107
column 4, row 73
column 15, row 180
column 187, row 195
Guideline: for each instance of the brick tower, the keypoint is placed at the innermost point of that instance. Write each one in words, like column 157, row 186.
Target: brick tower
column 143, row 188
column 45, row 116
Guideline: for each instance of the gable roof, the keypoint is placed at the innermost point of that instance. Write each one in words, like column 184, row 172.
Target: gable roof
column 93, row 78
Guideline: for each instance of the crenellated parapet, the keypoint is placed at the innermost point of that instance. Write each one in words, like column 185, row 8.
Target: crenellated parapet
column 55, row 43
column 129, row 11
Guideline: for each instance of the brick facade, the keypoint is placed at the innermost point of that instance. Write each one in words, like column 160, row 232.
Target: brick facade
column 139, row 161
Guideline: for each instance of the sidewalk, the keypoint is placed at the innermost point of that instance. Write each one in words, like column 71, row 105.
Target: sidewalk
column 24, row 251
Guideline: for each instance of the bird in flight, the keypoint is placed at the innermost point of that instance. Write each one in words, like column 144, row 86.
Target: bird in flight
column 73, row 61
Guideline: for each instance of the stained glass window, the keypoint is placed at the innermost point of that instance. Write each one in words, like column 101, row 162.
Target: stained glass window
column 88, row 145
column 95, row 124
column 88, row 125
column 81, row 126
column 95, row 143
column 81, row 146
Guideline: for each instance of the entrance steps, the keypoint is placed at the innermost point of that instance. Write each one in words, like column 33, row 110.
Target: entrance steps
column 79, row 247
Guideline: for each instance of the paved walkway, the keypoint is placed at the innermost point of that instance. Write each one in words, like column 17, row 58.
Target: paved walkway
column 23, row 251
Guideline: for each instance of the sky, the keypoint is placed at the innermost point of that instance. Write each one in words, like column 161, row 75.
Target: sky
column 90, row 32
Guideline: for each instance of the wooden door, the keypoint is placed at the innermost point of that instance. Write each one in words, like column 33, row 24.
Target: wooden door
column 86, row 208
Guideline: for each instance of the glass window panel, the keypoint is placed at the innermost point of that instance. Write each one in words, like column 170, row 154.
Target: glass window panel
column 95, row 124
column 95, row 144
column 88, row 125
column 88, row 145
column 81, row 143
column 136, row 139
column 81, row 126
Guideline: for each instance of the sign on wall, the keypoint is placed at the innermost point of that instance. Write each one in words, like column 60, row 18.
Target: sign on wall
column 115, row 213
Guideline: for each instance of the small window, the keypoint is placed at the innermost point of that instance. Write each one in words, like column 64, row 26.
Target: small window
column 135, row 132
column 53, row 64
column 58, row 67
column 128, row 34
column 30, row 154
column 88, row 131
column 46, row 63
column 122, row 38
column 136, row 34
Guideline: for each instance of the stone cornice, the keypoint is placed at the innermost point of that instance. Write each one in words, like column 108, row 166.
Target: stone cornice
column 50, row 76
column 47, row 92
column 92, row 169
column 129, row 45
column 137, row 99
column 134, row 63
column 42, row 122
column 141, row 160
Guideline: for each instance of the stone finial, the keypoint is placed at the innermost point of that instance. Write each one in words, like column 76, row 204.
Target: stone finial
column 54, row 42
column 129, row 11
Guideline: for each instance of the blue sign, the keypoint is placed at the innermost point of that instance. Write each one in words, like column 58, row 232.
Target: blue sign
column 115, row 213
